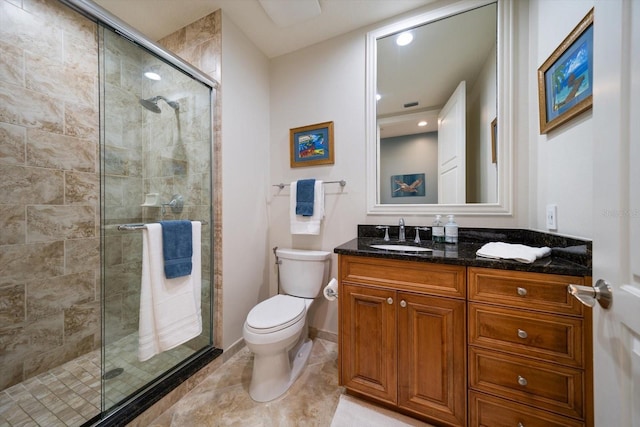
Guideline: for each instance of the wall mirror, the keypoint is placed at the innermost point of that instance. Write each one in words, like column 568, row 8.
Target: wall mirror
column 454, row 76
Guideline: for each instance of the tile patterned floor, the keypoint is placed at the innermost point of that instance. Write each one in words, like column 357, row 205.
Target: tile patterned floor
column 222, row 399
column 70, row 394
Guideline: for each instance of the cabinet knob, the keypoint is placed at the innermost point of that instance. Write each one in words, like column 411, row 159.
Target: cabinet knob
column 522, row 380
column 522, row 291
column 403, row 303
column 520, row 425
column 389, row 300
column 522, row 334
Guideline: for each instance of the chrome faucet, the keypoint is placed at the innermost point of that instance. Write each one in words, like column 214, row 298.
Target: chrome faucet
column 401, row 230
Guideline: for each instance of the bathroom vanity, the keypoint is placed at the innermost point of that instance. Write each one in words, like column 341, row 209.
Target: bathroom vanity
column 458, row 340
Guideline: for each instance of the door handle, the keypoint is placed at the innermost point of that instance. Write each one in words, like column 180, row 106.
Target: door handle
column 588, row 295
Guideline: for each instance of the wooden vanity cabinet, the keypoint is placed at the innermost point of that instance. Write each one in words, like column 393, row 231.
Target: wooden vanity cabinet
column 402, row 336
column 530, row 357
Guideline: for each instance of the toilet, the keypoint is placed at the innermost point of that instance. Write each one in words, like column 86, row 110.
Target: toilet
column 276, row 329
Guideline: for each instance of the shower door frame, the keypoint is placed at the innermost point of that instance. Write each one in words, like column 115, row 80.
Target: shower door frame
column 137, row 403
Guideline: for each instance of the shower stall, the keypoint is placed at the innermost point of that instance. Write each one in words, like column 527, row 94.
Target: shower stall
column 134, row 149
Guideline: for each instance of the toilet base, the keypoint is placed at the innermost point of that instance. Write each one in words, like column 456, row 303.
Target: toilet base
column 282, row 370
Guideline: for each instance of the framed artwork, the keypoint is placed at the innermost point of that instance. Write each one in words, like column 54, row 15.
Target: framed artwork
column 494, row 140
column 408, row 185
column 312, row 145
column 565, row 80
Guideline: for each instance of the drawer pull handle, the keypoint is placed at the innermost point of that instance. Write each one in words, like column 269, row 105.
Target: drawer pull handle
column 522, row 291
column 389, row 300
column 522, row 334
column 403, row 303
column 522, row 381
column 520, row 425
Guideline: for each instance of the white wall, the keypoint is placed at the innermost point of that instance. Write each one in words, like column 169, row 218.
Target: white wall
column 322, row 83
column 560, row 161
column 325, row 82
column 245, row 172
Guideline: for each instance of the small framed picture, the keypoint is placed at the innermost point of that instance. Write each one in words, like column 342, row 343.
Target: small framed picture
column 312, row 145
column 407, row 185
column 565, row 80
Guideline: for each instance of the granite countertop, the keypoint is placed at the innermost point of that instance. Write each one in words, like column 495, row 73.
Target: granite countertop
column 568, row 256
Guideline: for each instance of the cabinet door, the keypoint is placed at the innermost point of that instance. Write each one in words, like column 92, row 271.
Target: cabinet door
column 368, row 341
column 432, row 357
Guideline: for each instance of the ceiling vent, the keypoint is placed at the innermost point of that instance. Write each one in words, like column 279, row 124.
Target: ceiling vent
column 411, row 104
column 285, row 13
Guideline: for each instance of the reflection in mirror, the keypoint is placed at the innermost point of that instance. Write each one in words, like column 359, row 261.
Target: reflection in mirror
column 431, row 104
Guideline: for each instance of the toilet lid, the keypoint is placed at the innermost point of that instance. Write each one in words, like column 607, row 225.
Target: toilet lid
column 276, row 313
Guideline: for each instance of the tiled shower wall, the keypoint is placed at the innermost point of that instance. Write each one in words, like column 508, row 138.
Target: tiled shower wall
column 200, row 44
column 49, row 188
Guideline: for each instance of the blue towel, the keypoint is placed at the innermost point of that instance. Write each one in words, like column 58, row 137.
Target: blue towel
column 304, row 197
column 177, row 248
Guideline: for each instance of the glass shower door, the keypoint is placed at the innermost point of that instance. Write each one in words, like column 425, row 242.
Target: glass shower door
column 155, row 165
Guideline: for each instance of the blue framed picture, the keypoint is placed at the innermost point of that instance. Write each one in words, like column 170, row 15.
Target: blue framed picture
column 407, row 185
column 565, row 80
column 312, row 145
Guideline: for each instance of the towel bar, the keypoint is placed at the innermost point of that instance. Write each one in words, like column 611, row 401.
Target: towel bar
column 129, row 227
column 342, row 183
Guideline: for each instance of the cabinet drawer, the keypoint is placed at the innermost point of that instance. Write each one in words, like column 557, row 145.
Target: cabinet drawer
column 490, row 411
column 434, row 279
column 544, row 336
column 543, row 385
column 532, row 291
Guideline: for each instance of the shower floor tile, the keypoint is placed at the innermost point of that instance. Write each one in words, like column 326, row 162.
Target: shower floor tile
column 70, row 395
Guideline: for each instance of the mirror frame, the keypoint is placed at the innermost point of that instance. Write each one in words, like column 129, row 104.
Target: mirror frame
column 505, row 108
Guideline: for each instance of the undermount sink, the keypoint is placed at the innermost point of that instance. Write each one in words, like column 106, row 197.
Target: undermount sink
column 401, row 248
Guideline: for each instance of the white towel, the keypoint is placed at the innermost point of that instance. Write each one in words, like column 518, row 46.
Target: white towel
column 307, row 224
column 170, row 312
column 522, row 253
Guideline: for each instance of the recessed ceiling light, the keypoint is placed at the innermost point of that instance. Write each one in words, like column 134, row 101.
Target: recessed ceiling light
column 422, row 123
column 152, row 76
column 404, row 39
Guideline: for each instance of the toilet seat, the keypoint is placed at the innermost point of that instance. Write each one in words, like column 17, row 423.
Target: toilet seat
column 276, row 313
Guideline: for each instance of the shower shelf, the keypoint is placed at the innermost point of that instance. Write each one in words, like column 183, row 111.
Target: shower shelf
column 130, row 227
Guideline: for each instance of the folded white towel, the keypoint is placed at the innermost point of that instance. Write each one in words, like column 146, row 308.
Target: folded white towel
column 522, row 253
column 307, row 224
column 170, row 312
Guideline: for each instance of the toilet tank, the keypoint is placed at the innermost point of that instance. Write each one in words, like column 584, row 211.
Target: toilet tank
column 302, row 273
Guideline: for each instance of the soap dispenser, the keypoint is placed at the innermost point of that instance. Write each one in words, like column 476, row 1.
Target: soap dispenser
column 437, row 230
column 451, row 230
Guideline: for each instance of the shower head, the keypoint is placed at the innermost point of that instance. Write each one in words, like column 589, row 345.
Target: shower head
column 151, row 104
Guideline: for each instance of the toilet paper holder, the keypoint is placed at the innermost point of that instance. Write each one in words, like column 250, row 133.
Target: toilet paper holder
column 331, row 293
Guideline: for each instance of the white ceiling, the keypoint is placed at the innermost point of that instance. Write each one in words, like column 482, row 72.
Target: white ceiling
column 158, row 18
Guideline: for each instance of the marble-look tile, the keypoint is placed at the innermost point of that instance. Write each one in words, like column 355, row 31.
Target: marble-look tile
column 203, row 29
column 58, row 294
column 38, row 363
column 81, row 188
column 51, row 150
column 31, row 109
column 12, row 224
column 12, row 64
column 12, row 303
column 22, row 185
column 81, row 121
column 48, row 223
column 80, row 51
column 45, row 333
column 12, row 144
column 222, row 398
column 122, row 162
column 81, row 255
column 21, row 263
column 81, row 319
column 28, row 31
column 63, row 17
column 49, row 77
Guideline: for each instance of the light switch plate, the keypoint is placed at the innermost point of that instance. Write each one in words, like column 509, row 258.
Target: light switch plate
column 552, row 217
